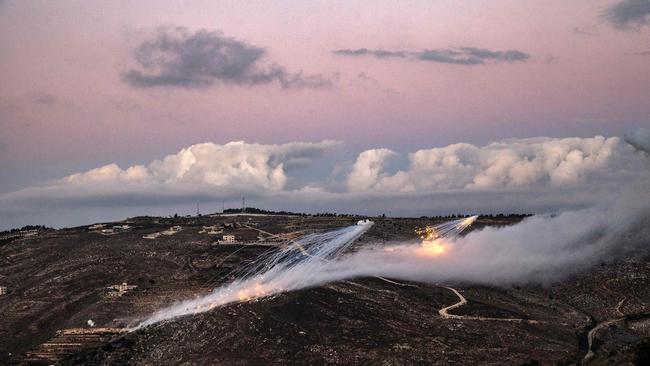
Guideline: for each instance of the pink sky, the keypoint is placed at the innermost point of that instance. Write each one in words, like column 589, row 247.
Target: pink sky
column 64, row 107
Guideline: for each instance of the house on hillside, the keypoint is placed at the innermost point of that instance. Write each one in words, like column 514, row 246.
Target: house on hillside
column 228, row 239
column 120, row 289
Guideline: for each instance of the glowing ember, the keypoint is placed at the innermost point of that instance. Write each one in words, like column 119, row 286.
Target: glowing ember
column 428, row 234
column 432, row 236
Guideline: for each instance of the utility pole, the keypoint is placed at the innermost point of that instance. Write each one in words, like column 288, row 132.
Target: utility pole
column 223, row 206
column 198, row 213
column 243, row 204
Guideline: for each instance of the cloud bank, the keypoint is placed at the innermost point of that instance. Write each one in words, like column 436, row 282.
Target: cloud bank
column 507, row 164
column 628, row 14
column 237, row 163
column 176, row 57
column 457, row 56
column 517, row 175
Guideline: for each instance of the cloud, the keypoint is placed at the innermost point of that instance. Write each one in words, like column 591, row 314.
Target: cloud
column 517, row 163
column 472, row 56
column 457, row 56
column 517, row 175
column 367, row 52
column 250, row 166
column 628, row 14
column 175, row 57
column 640, row 139
column 366, row 170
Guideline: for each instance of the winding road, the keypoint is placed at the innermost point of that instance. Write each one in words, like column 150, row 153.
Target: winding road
column 594, row 331
column 444, row 312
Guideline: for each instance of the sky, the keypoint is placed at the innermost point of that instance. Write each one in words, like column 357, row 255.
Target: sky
column 319, row 105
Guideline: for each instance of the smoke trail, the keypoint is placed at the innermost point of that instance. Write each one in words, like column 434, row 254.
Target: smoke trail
column 271, row 273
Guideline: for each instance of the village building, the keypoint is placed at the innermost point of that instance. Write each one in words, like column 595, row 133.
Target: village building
column 228, row 239
column 120, row 289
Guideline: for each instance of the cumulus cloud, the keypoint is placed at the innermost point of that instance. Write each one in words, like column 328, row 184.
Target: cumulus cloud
column 233, row 164
column 507, row 164
column 366, row 170
column 457, row 56
column 640, row 139
column 177, row 57
column 628, row 14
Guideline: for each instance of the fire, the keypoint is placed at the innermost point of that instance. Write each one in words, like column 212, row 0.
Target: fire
column 428, row 233
column 434, row 248
column 253, row 292
column 432, row 245
column 433, row 236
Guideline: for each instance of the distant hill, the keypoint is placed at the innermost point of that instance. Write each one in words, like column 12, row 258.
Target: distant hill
column 259, row 211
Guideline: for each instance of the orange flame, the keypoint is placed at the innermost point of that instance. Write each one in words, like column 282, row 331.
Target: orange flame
column 434, row 248
column 252, row 292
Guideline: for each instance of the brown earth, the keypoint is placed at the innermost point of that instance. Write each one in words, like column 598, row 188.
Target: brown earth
column 57, row 282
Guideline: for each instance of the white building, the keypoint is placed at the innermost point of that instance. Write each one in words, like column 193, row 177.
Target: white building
column 228, row 239
column 172, row 230
column 3, row 290
column 120, row 289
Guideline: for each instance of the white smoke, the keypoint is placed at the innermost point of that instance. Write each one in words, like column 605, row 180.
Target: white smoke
column 280, row 271
column 540, row 250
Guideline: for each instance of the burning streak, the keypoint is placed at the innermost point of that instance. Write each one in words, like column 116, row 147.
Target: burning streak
column 273, row 272
column 306, row 262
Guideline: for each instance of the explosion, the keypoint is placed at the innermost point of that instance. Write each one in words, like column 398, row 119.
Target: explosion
column 433, row 244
